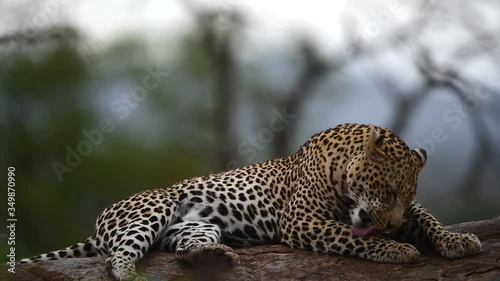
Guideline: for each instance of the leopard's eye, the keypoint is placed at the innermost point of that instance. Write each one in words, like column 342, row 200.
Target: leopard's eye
column 347, row 201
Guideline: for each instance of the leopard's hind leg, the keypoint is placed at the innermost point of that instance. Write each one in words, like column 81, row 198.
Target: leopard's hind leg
column 129, row 245
column 125, row 231
column 196, row 241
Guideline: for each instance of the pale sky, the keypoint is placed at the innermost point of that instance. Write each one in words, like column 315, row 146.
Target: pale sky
column 268, row 22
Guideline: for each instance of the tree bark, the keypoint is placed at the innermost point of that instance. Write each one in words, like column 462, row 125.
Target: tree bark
column 277, row 262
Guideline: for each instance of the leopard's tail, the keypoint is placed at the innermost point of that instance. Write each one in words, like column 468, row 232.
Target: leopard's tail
column 79, row 250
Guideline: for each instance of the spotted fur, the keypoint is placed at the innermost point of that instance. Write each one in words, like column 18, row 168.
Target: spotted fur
column 350, row 176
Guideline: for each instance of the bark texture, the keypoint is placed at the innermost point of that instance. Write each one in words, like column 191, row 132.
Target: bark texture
column 276, row 262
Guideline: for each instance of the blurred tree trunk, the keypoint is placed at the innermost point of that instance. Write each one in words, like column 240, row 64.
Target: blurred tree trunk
column 222, row 53
column 218, row 41
column 313, row 71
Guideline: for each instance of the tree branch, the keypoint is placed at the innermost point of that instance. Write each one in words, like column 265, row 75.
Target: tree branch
column 278, row 263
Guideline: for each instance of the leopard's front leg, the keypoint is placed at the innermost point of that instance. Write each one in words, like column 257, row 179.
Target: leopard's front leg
column 423, row 226
column 330, row 236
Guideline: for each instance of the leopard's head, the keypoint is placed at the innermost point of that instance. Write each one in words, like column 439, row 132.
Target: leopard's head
column 382, row 182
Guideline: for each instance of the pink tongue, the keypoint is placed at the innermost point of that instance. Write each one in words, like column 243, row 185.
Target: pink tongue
column 362, row 231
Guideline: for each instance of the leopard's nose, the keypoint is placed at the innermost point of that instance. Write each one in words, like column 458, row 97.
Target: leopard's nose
column 365, row 218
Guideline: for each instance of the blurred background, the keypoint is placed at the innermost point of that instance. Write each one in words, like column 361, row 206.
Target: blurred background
column 100, row 100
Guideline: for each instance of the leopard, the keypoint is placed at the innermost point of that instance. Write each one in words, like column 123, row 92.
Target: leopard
column 349, row 190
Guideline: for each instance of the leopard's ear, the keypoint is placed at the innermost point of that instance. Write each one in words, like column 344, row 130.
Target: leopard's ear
column 375, row 144
column 421, row 156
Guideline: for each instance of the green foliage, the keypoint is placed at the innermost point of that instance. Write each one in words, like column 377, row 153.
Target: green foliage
column 47, row 105
column 195, row 56
column 61, row 67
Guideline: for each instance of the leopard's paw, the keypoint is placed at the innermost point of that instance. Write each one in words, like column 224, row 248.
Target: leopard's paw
column 404, row 253
column 219, row 252
column 211, row 253
column 394, row 252
column 457, row 245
